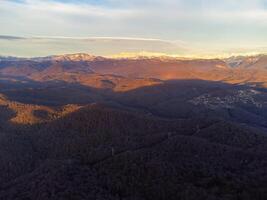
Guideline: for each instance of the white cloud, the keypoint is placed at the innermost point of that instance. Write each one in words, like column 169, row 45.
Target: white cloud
column 53, row 7
column 43, row 46
column 199, row 21
column 117, row 11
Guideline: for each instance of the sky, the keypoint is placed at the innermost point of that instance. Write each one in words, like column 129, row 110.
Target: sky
column 107, row 27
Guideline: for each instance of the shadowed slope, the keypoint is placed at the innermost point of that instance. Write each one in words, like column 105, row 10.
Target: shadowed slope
column 95, row 153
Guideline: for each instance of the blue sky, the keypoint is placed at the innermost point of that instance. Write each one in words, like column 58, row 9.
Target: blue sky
column 188, row 26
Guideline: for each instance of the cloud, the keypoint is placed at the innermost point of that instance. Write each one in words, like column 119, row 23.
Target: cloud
column 207, row 23
column 6, row 37
column 36, row 17
column 108, row 46
column 60, row 9
column 114, row 14
column 44, row 46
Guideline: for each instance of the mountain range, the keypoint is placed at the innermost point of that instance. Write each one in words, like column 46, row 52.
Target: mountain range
column 247, row 69
column 79, row 126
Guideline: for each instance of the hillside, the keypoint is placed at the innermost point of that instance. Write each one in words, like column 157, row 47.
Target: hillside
column 96, row 153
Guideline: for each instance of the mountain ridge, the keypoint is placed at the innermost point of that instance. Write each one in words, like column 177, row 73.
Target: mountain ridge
column 236, row 70
column 88, row 56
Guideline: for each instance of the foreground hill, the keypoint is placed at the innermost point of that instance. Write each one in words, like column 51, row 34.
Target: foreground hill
column 28, row 114
column 94, row 153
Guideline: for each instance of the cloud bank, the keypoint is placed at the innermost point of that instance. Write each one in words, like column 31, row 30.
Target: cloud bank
column 207, row 24
column 105, row 46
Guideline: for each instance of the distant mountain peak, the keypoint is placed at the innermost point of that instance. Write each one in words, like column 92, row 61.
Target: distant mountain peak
column 145, row 55
column 75, row 57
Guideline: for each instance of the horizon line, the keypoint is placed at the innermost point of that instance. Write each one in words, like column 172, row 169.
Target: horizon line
column 130, row 55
